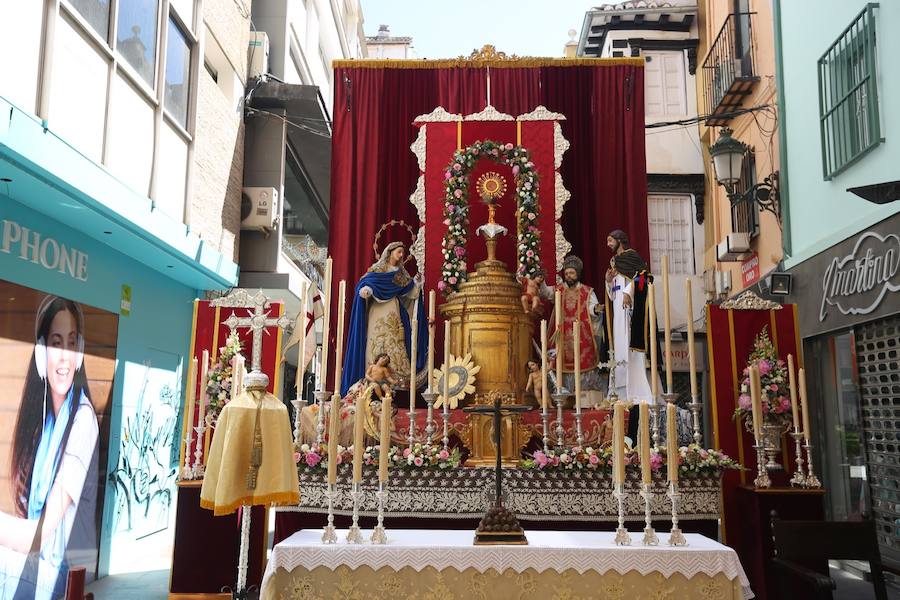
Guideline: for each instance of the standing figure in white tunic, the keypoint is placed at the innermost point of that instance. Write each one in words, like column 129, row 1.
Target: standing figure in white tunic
column 626, row 286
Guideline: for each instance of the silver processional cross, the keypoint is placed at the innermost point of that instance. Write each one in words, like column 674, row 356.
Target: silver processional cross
column 257, row 319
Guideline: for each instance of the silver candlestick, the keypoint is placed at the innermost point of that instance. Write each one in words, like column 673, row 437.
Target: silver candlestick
column 560, row 398
column 622, row 537
column 579, row 434
column 545, row 421
column 379, row 536
column 354, row 535
column 650, row 538
column 445, row 413
column 187, row 472
column 799, row 478
column 299, row 404
column 329, row 535
column 695, row 419
column 199, row 469
column 429, row 420
column 411, row 437
column 762, row 476
column 676, row 538
column 322, row 397
column 811, row 480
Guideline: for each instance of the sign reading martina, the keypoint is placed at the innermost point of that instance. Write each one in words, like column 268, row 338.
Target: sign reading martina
column 852, row 282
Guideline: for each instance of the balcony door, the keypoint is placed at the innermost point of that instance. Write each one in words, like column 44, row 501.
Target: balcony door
column 743, row 40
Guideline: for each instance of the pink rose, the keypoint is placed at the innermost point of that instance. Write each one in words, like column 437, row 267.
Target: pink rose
column 459, row 251
column 744, row 402
column 773, row 387
column 296, row 457
column 594, row 459
column 704, row 454
column 515, row 170
column 540, row 459
column 457, row 166
column 406, row 452
column 447, row 222
column 448, row 175
column 452, row 280
column 785, row 403
column 509, row 146
column 340, row 458
column 312, row 459
column 554, row 461
column 457, row 193
column 764, row 367
column 656, row 461
column 531, row 216
column 443, row 455
column 746, row 371
column 442, row 286
column 418, row 461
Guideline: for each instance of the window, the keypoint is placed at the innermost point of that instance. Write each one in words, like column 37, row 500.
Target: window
column 848, row 95
column 178, row 73
column 745, row 211
column 136, row 35
column 96, row 13
column 671, row 232
column 664, row 87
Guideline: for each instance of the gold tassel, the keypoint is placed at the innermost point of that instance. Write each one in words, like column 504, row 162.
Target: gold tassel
column 256, row 453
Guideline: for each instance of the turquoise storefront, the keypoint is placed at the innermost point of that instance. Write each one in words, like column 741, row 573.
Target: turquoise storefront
column 70, row 229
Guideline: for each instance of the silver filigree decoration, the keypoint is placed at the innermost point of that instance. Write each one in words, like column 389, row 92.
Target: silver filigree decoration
column 749, row 301
column 541, row 113
column 563, row 246
column 562, row 196
column 418, row 246
column 418, row 147
column 241, row 298
column 417, row 198
column 489, row 114
column 560, row 145
column 438, row 115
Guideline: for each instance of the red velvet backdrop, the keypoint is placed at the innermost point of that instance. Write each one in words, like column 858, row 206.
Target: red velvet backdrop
column 373, row 171
column 730, row 335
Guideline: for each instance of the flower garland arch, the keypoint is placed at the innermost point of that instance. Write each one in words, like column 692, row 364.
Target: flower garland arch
column 456, row 209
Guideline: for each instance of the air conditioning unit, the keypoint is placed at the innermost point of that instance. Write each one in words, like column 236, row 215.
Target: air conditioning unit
column 258, row 53
column 723, row 283
column 735, row 247
column 259, row 207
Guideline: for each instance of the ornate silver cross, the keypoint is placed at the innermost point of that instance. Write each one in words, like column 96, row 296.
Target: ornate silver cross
column 257, row 319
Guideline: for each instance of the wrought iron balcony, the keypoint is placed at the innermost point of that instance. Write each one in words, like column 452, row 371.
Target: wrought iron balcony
column 729, row 70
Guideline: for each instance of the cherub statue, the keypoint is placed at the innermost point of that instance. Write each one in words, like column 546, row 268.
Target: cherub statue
column 531, row 286
column 606, row 430
column 382, row 375
column 534, row 383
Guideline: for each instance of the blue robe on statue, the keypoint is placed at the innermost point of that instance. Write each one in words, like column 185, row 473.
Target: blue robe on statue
column 385, row 287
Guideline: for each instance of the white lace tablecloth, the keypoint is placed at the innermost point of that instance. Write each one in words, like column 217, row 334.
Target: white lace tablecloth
column 546, row 550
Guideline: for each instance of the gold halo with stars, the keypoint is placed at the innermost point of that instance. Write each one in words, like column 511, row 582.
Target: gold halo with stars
column 491, row 185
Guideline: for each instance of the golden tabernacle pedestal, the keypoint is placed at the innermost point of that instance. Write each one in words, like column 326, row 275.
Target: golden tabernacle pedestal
column 487, row 320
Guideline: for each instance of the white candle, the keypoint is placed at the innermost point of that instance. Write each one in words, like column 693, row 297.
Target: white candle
column 334, row 420
column 414, row 342
column 545, row 388
column 189, row 404
column 619, row 443
column 326, row 324
column 359, row 438
column 204, row 384
column 804, row 404
column 672, row 442
column 559, row 339
column 430, row 373
column 667, row 324
column 301, row 347
column 339, row 358
column 755, row 402
column 793, row 387
column 692, row 358
column 644, row 413
column 654, row 373
column 446, row 385
column 576, row 332
column 384, row 447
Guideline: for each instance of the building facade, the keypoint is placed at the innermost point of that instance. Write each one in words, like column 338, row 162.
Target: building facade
column 736, row 89
column 839, row 108
column 666, row 36
column 120, row 174
column 384, row 45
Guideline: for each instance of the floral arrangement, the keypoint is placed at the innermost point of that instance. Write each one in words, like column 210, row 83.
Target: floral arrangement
column 218, row 384
column 693, row 460
column 456, row 209
column 417, row 457
column 775, row 398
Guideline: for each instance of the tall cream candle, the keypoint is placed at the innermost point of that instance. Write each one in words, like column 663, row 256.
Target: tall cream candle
column 384, row 447
column 326, row 325
column 792, row 382
column 644, row 412
column 619, row 443
column 359, row 439
column 692, row 358
column 203, row 399
column 558, row 307
column 545, row 388
column 189, row 405
column 339, row 351
column 654, row 361
column 446, row 386
column 301, row 347
column 755, row 401
column 667, row 323
column 334, row 423
column 414, row 342
column 431, row 301
column 804, row 404
column 576, row 333
column 672, row 442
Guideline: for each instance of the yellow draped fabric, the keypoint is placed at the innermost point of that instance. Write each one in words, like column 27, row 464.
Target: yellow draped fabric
column 225, row 485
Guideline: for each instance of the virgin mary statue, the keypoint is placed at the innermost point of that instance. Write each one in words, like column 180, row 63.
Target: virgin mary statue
column 384, row 302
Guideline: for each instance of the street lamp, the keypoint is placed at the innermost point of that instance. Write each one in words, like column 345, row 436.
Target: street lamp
column 728, row 159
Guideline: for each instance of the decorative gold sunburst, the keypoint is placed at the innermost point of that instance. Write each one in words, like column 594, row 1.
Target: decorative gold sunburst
column 491, row 185
column 461, row 379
